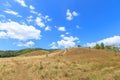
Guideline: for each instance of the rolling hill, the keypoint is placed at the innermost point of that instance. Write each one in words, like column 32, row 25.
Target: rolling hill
column 70, row 64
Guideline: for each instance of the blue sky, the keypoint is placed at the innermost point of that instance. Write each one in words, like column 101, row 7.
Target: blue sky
column 58, row 24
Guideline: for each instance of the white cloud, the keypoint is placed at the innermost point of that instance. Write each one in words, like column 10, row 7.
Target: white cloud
column 31, row 7
column 18, row 31
column 61, row 29
column 21, row 2
column 70, row 15
column 27, row 44
column 30, row 19
column 67, row 33
column 115, row 40
column 53, row 45
column 12, row 13
column 62, row 35
column 47, row 28
column 42, row 20
column 3, row 16
column 75, row 13
column 34, row 12
column 39, row 22
column 71, row 38
column 47, row 18
column 67, row 42
column 3, row 34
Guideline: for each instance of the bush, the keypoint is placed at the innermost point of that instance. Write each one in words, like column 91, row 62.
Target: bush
column 107, row 47
column 97, row 46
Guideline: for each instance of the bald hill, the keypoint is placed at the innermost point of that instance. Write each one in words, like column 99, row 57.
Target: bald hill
column 70, row 64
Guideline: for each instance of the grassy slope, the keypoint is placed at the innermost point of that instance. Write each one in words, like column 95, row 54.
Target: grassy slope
column 73, row 64
column 36, row 52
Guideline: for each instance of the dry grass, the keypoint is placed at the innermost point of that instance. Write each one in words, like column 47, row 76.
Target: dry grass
column 36, row 53
column 74, row 64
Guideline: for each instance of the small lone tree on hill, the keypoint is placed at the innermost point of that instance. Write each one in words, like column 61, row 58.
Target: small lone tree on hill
column 97, row 46
column 79, row 45
column 102, row 46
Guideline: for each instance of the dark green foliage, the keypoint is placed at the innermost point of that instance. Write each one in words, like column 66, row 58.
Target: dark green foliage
column 27, row 50
column 102, row 46
column 97, row 46
column 13, row 53
column 115, row 48
column 107, row 47
column 79, row 45
column 111, row 48
column 9, row 53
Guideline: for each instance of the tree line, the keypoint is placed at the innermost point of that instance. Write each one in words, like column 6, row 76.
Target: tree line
column 14, row 53
column 107, row 47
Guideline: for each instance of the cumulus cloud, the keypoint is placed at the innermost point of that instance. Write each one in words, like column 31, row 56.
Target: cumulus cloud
column 62, row 35
column 115, row 40
column 67, row 33
column 18, row 31
column 61, row 29
column 67, row 42
column 53, row 45
column 70, row 15
column 3, row 16
column 75, row 13
column 29, row 19
column 47, row 18
column 27, row 44
column 21, row 2
column 39, row 22
column 47, row 28
column 31, row 7
column 34, row 12
column 3, row 34
column 12, row 13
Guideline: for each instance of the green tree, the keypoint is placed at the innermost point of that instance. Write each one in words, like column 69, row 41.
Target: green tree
column 79, row 45
column 115, row 48
column 97, row 46
column 102, row 46
column 108, row 47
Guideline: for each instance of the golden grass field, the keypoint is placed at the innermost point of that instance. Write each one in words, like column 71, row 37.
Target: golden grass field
column 71, row 64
